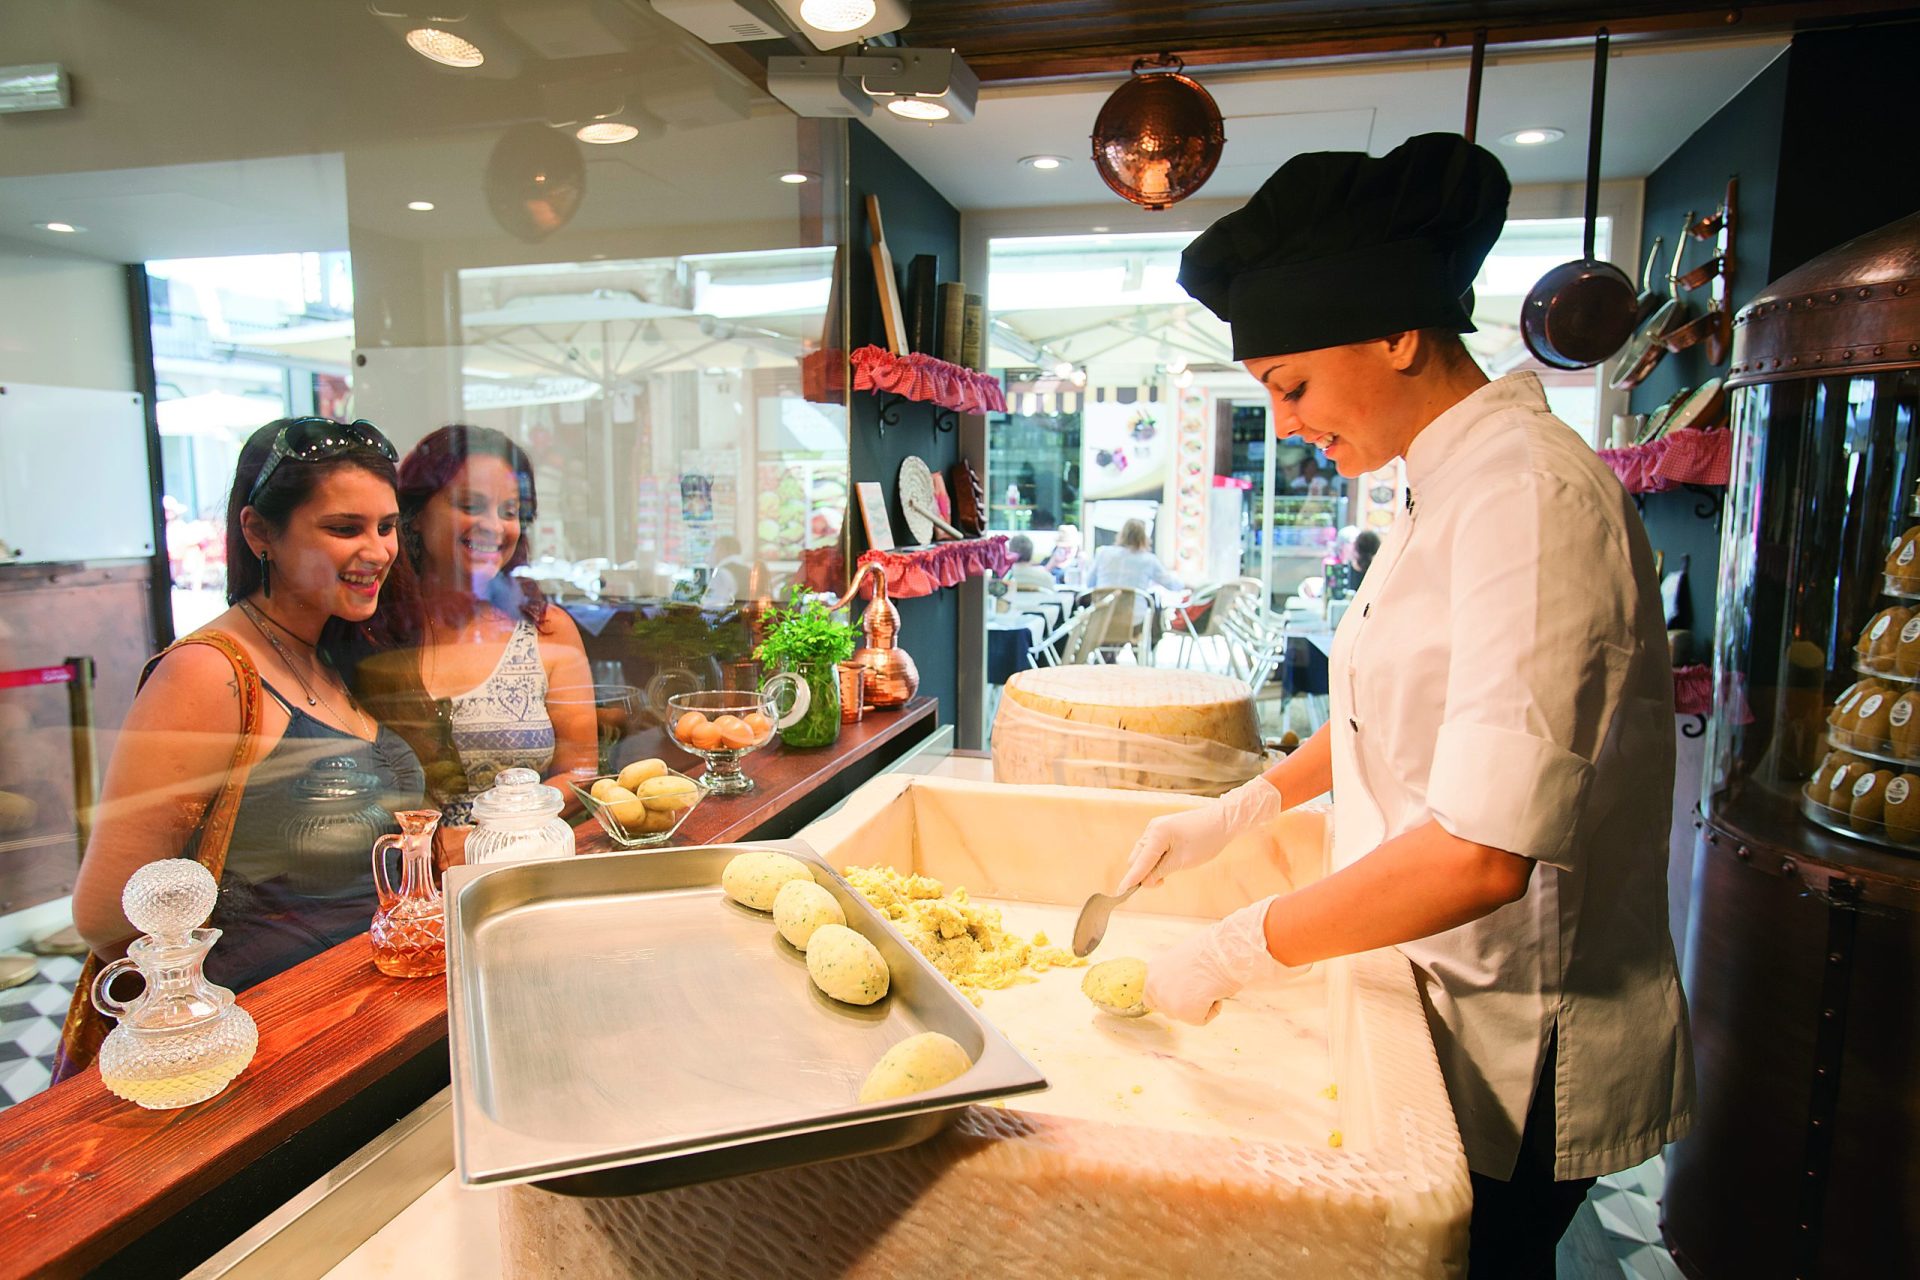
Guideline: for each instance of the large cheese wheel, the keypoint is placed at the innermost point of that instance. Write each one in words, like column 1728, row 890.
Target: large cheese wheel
column 1114, row 726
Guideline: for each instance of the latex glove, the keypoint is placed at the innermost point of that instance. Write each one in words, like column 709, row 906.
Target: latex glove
column 1179, row 841
column 1189, row 980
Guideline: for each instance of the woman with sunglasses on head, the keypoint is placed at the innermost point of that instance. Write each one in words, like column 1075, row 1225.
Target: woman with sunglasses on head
column 491, row 652
column 219, row 752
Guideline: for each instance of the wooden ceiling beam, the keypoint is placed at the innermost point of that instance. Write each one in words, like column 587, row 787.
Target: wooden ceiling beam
column 1198, row 45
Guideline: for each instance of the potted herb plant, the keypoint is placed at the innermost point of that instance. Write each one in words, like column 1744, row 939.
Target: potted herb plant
column 806, row 639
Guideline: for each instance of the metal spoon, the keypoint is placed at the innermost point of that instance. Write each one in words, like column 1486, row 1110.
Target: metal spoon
column 1092, row 924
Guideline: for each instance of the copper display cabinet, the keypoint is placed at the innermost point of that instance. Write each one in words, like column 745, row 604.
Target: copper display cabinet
column 1803, row 958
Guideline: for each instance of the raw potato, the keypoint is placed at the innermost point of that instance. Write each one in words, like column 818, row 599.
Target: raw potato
column 608, row 790
column 640, row 771
column 753, row 879
column 846, row 966
column 915, row 1065
column 1116, row 984
column 669, row 793
column 801, row 907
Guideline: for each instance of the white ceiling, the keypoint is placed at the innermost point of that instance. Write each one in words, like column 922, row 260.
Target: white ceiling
column 1656, row 98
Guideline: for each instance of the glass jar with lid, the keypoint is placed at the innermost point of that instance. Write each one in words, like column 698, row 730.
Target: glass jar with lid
column 518, row 820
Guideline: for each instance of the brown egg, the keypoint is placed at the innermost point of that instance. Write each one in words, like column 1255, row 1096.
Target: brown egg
column 1819, row 788
column 1886, row 633
column 1903, row 724
column 1903, row 561
column 684, row 727
column 1872, row 721
column 736, row 735
column 704, row 736
column 1901, row 811
column 1906, row 650
column 1874, row 637
column 1869, row 800
column 761, row 726
column 1840, row 784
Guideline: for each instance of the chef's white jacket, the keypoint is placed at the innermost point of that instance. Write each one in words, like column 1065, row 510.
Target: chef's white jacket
column 1503, row 671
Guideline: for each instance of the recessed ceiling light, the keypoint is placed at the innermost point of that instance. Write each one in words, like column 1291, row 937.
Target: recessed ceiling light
column 1101, row 230
column 837, row 15
column 64, row 228
column 796, row 177
column 917, row 108
column 420, row 206
column 1043, row 162
column 1538, row 137
column 604, row 132
column 444, row 47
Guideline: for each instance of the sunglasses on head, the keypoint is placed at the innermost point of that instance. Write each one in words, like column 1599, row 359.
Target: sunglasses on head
column 314, row 439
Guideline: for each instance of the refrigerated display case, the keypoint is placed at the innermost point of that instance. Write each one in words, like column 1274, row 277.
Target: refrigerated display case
column 1803, row 949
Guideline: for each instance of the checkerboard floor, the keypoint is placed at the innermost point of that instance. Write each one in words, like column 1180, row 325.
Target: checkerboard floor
column 1616, row 1234
column 30, row 1018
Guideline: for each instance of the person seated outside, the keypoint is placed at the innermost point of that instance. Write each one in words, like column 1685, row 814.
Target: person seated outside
column 1360, row 555
column 733, row 579
column 1130, row 562
column 1025, row 575
column 1065, row 563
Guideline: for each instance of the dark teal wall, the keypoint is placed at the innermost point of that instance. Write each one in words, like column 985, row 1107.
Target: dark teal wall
column 1742, row 138
column 917, row 219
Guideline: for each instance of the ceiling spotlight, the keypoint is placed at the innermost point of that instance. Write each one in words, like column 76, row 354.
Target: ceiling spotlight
column 1177, row 365
column 796, row 177
column 1533, row 137
column 920, row 84
column 1064, row 369
column 829, row 24
column 420, row 206
column 444, row 47
column 1043, row 162
column 606, row 132
column 64, row 228
column 1183, row 379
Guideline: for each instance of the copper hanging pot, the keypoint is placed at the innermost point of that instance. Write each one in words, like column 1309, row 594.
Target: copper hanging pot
column 1158, row 139
column 892, row 679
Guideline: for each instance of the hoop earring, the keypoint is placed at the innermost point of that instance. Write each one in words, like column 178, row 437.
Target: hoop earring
column 266, row 576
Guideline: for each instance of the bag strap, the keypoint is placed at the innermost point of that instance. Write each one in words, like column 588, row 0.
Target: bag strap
column 210, row 847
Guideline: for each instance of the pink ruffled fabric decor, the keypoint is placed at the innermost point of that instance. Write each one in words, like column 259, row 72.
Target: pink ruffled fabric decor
column 923, row 571
column 921, row 377
column 1638, row 466
column 1697, row 457
column 1693, row 690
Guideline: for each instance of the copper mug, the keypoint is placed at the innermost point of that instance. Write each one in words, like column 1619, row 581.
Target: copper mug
column 853, row 691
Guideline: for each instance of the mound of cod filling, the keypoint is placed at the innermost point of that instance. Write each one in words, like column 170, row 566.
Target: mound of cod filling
column 966, row 943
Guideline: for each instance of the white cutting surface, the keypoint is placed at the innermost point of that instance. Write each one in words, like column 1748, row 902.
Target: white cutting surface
column 1257, row 1071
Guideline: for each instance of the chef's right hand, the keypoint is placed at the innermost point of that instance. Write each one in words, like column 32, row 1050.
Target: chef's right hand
column 1179, row 841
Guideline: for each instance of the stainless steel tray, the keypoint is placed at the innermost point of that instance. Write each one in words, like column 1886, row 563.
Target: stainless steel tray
column 618, row 1025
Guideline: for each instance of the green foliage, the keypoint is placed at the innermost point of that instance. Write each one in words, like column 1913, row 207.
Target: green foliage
column 806, row 632
column 681, row 633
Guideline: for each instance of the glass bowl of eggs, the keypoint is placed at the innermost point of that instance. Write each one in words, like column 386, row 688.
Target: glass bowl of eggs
column 642, row 805
column 723, row 725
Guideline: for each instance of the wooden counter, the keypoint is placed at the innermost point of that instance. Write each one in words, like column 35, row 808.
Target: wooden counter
column 94, row 1182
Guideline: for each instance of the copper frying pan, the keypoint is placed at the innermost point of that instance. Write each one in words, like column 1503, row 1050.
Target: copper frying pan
column 1582, row 311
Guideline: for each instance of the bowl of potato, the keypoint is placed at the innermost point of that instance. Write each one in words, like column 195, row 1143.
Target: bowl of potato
column 642, row 805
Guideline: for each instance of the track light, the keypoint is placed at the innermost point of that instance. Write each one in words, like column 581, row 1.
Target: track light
column 919, row 84
column 830, row 24
column 467, row 45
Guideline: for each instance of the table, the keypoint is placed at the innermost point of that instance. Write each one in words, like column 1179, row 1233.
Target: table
column 1011, row 638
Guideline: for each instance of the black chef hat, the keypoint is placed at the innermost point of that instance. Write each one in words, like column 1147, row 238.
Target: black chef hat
column 1340, row 247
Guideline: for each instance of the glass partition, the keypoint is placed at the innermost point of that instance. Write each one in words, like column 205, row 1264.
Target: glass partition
column 596, row 250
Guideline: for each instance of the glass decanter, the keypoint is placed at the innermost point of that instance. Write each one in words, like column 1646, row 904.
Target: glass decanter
column 517, row 820
column 183, row 1039
column 409, row 931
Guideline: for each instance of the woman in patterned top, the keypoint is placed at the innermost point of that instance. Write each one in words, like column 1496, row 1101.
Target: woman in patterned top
column 475, row 699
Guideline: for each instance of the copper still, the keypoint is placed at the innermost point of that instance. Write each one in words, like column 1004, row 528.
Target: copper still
column 1804, row 935
column 892, row 679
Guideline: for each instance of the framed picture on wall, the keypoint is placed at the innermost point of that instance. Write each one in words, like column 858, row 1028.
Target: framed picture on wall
column 873, row 510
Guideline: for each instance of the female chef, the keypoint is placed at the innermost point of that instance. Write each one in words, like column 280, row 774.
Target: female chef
column 1500, row 744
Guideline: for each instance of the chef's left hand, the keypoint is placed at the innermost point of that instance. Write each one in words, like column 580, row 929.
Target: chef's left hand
column 1189, row 980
